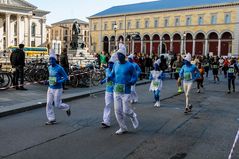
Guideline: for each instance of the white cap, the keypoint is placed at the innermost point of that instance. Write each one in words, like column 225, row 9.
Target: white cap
column 157, row 62
column 113, row 58
column 52, row 54
column 188, row 57
column 122, row 49
column 131, row 56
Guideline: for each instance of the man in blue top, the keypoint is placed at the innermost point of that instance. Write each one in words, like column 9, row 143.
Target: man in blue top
column 57, row 76
column 109, row 97
column 134, row 96
column 124, row 76
column 189, row 73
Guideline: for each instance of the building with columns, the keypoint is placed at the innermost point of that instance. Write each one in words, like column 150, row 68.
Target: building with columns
column 61, row 33
column 21, row 22
column 196, row 26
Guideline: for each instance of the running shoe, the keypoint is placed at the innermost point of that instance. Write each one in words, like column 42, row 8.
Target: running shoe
column 105, row 125
column 121, row 131
column 52, row 122
column 68, row 112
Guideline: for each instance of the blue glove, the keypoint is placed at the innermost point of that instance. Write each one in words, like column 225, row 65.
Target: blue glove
column 159, row 77
column 102, row 82
column 46, row 82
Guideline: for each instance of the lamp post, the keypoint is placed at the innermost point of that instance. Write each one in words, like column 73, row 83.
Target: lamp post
column 184, row 43
column 115, row 29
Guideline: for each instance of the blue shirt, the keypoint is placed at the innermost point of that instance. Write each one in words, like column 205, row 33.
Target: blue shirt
column 189, row 73
column 137, row 68
column 60, row 75
column 124, row 74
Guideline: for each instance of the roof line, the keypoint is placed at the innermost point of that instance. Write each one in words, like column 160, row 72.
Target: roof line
column 167, row 10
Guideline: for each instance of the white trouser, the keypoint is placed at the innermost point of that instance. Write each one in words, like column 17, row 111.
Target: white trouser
column 54, row 95
column 122, row 109
column 109, row 99
column 187, row 87
column 134, row 96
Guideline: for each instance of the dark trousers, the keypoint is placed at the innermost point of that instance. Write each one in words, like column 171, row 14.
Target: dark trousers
column 199, row 83
column 231, row 81
column 19, row 73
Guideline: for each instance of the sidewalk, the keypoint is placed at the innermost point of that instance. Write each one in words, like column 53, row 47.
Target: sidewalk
column 15, row 101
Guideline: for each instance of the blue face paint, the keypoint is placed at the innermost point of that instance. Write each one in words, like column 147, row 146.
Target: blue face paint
column 130, row 60
column 121, row 58
column 110, row 65
column 187, row 63
column 156, row 67
column 52, row 61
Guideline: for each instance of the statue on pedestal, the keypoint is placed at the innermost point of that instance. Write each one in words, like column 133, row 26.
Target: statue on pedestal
column 76, row 40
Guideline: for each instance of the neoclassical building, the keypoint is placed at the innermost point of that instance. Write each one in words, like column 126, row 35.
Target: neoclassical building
column 21, row 22
column 61, row 33
column 196, row 26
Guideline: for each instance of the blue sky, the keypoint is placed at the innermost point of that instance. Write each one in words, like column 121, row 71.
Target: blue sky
column 67, row 9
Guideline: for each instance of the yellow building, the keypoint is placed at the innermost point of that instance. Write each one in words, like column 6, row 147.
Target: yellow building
column 196, row 26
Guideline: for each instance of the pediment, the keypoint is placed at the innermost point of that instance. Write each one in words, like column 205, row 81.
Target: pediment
column 17, row 3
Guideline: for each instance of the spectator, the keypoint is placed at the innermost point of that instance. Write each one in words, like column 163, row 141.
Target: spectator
column 65, row 64
column 103, row 59
column 148, row 65
column 17, row 60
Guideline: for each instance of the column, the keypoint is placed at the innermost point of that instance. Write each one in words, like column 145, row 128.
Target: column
column 18, row 29
column 161, row 46
column 8, row 30
column 182, row 46
column 171, row 44
column 151, row 48
column 194, row 45
column 142, row 46
column 109, row 47
column 132, row 46
column 219, row 47
column 206, row 47
column 42, row 30
column 25, row 30
column 29, row 31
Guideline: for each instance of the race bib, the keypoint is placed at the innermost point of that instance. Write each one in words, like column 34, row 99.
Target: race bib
column 187, row 76
column 52, row 80
column 156, row 84
column 231, row 70
column 178, row 70
column 206, row 65
column 119, row 88
column 109, row 84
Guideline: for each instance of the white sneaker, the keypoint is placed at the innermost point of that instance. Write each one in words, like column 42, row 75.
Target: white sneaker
column 135, row 121
column 158, row 104
column 198, row 91
column 155, row 105
column 120, row 131
column 131, row 101
column 135, row 101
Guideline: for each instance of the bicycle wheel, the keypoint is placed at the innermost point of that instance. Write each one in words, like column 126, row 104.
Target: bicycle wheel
column 74, row 81
column 5, row 81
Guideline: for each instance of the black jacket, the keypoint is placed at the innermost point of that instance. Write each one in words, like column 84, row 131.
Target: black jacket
column 17, row 58
column 64, row 61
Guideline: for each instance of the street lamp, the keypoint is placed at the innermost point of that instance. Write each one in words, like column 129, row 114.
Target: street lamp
column 184, row 43
column 115, row 29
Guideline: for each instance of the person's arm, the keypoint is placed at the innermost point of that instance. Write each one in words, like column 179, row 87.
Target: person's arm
column 134, row 76
column 138, row 69
column 64, row 76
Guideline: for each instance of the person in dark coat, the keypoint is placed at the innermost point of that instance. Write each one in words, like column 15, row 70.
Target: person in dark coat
column 17, row 60
column 64, row 63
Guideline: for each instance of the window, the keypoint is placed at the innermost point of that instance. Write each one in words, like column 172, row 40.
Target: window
column 146, row 23
column 166, row 22
column 177, row 21
column 129, row 25
column 15, row 29
column 188, row 20
column 113, row 25
column 120, row 25
column 156, row 23
column 137, row 24
column 105, row 26
column 4, row 27
column 200, row 20
column 95, row 27
column 66, row 32
column 227, row 18
column 214, row 19
column 33, row 29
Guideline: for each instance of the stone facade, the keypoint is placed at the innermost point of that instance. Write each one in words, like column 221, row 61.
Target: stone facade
column 62, row 31
column 199, row 30
column 21, row 22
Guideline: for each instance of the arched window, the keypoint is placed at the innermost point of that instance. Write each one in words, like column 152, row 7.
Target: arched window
column 33, row 29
